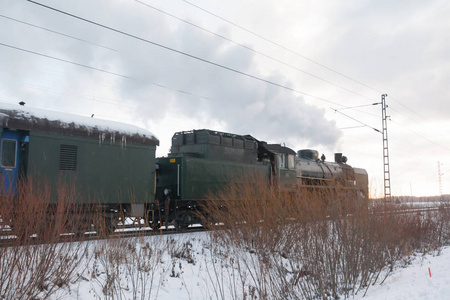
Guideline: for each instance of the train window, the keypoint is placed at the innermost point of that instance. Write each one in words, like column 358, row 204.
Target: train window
column 281, row 161
column 9, row 153
column 286, row 161
column 67, row 158
column 291, row 161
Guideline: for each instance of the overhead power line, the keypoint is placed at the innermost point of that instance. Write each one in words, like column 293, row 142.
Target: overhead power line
column 281, row 46
column 181, row 91
column 411, row 119
column 317, row 63
column 155, row 84
column 56, row 32
column 250, row 49
column 184, row 53
column 352, row 127
column 422, row 136
column 358, row 106
column 296, row 53
column 418, row 114
column 62, row 60
column 363, row 124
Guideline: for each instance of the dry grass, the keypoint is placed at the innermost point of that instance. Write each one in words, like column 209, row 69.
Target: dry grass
column 313, row 244
column 120, row 267
column 36, row 264
column 272, row 244
column 42, row 259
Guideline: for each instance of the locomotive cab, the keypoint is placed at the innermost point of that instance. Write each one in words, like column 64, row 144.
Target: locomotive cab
column 282, row 160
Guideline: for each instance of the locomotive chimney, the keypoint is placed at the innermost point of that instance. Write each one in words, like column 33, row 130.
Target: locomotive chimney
column 338, row 158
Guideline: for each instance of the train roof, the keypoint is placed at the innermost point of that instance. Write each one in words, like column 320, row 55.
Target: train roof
column 277, row 148
column 33, row 119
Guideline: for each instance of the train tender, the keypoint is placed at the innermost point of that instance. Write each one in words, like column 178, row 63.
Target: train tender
column 106, row 161
column 200, row 162
column 204, row 161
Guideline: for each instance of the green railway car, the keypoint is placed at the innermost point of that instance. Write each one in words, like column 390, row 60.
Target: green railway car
column 110, row 164
column 192, row 178
column 202, row 162
column 113, row 170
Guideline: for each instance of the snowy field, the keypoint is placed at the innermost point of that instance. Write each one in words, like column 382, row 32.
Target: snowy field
column 414, row 282
column 189, row 270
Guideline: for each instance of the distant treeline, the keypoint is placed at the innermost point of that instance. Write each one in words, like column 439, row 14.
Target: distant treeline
column 405, row 199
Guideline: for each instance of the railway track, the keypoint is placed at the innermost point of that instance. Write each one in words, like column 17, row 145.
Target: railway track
column 8, row 238
column 413, row 210
column 133, row 229
column 417, row 209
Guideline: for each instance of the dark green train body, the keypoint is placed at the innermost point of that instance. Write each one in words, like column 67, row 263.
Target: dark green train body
column 203, row 162
column 110, row 164
column 108, row 172
column 113, row 168
column 193, row 178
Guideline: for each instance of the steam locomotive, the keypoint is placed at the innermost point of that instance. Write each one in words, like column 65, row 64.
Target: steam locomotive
column 204, row 161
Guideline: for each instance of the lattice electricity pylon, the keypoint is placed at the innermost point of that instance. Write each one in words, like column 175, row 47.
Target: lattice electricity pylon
column 387, row 175
column 440, row 178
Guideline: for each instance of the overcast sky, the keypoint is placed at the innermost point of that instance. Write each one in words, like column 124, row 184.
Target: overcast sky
column 302, row 73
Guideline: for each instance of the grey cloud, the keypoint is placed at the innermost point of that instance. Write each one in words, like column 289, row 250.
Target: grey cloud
column 243, row 104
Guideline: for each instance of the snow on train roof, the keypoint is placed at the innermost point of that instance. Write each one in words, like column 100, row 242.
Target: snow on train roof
column 26, row 118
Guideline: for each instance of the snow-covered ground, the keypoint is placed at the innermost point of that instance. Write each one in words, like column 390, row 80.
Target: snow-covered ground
column 187, row 270
column 414, row 282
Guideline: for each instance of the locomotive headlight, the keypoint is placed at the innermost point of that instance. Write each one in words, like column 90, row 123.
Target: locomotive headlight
column 166, row 192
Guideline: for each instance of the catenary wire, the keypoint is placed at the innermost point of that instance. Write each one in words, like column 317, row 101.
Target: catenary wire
column 185, row 54
column 422, row 136
column 420, row 115
column 296, row 53
column 192, row 56
column 281, row 46
column 210, row 62
column 251, row 49
column 56, row 32
column 62, row 60
column 364, row 124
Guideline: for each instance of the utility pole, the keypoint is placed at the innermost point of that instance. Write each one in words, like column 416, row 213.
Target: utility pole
column 387, row 175
column 440, row 179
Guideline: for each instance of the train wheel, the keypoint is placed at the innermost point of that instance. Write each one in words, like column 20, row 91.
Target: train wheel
column 154, row 225
column 107, row 225
column 182, row 221
column 46, row 229
column 110, row 225
column 81, row 225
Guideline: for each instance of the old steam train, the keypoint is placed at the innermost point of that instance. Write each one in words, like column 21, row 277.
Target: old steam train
column 204, row 161
column 108, row 162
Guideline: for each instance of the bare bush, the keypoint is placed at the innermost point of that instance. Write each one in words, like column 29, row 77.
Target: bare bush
column 121, row 267
column 34, row 261
column 321, row 242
